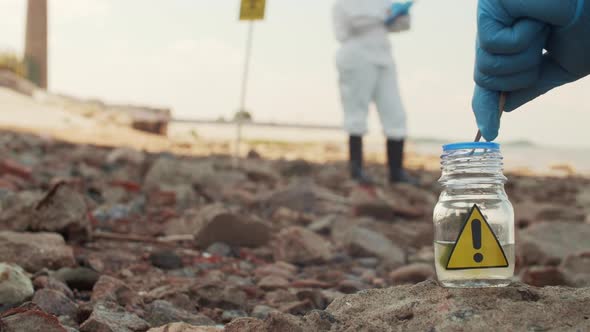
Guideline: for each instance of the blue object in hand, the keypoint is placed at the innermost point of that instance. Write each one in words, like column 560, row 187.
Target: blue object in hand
column 398, row 9
column 511, row 37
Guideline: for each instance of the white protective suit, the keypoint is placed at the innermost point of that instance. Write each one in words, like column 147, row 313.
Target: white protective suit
column 366, row 68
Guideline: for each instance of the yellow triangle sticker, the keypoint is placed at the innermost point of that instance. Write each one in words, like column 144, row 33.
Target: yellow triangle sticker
column 477, row 247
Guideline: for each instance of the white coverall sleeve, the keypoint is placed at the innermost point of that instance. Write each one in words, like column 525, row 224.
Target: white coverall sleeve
column 402, row 23
column 340, row 27
column 355, row 17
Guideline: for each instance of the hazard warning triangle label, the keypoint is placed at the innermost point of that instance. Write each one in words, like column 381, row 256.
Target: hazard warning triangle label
column 477, row 246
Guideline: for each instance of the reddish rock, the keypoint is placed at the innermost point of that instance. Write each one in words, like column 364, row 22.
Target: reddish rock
column 412, row 274
column 35, row 251
column 280, row 269
column 184, row 327
column 301, row 246
column 245, row 324
column 273, row 282
column 17, row 210
column 108, row 318
column 55, row 303
column 549, row 243
column 310, row 283
column 576, row 269
column 216, row 224
column 62, row 210
column 30, row 319
column 111, row 289
column 541, row 276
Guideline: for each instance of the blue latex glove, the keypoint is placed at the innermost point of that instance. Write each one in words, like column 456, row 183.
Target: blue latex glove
column 398, row 9
column 511, row 37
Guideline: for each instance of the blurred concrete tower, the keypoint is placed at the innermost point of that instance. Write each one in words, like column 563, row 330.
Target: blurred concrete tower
column 36, row 42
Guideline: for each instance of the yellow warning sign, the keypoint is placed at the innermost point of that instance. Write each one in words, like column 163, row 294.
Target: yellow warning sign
column 252, row 10
column 477, row 246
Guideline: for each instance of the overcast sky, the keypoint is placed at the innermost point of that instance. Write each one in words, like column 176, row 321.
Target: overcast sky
column 188, row 55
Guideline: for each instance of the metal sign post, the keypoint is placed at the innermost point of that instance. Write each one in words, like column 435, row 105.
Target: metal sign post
column 250, row 10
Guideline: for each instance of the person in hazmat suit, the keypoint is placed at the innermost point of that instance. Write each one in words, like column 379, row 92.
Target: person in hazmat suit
column 367, row 74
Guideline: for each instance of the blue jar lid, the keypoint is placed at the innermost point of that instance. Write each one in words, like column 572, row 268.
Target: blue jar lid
column 471, row 145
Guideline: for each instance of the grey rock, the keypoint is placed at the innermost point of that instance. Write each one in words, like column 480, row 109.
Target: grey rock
column 229, row 315
column 220, row 249
column 35, row 251
column 551, row 242
column 55, row 303
column 80, row 278
column 109, row 318
column 15, row 286
column 162, row 312
column 262, row 311
column 166, row 260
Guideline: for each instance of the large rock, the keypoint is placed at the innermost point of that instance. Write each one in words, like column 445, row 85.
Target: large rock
column 576, row 269
column 109, row 289
column 550, row 243
column 16, row 210
column 35, row 251
column 30, row 319
column 301, row 246
column 15, row 286
column 184, row 327
column 62, row 210
column 364, row 242
column 167, row 171
column 429, row 307
column 109, row 318
column 216, row 224
column 55, row 303
column 162, row 312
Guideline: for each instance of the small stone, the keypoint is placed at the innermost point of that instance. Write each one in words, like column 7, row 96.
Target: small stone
column 547, row 242
column 278, row 321
column 32, row 320
column 301, row 246
column 162, row 312
column 541, row 276
column 166, row 260
column 273, row 282
column 45, row 282
column 220, row 249
column 351, row 286
column 15, row 286
column 368, row 262
column 35, row 251
column 245, row 324
column 229, row 315
column 109, row 289
column 262, row 311
column 80, row 278
column 214, row 223
column 362, row 242
column 184, row 327
column 62, row 210
column 412, row 274
column 55, row 303
column 576, row 269
column 281, row 269
column 113, row 319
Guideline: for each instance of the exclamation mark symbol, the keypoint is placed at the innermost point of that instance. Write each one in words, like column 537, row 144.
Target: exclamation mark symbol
column 476, row 237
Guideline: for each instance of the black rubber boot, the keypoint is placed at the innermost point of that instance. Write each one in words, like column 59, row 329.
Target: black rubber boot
column 395, row 158
column 355, row 152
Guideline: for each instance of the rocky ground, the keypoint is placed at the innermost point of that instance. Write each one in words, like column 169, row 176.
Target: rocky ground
column 97, row 239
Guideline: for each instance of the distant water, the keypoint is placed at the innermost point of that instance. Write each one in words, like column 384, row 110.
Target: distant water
column 517, row 155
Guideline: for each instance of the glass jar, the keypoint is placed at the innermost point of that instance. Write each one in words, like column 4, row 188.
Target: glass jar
column 473, row 219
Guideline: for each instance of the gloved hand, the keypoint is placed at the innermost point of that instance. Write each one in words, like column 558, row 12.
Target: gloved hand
column 398, row 9
column 510, row 41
